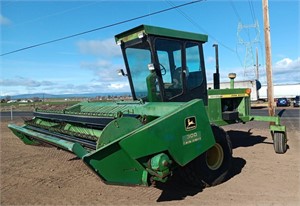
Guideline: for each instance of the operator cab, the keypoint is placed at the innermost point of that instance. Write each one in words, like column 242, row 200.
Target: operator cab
column 164, row 64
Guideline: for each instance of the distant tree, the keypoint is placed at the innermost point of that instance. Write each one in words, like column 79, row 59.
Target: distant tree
column 8, row 98
column 3, row 100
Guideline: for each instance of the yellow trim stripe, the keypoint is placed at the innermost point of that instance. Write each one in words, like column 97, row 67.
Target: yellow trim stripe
column 227, row 96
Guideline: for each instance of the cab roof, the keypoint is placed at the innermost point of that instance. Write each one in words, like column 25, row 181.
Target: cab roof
column 159, row 31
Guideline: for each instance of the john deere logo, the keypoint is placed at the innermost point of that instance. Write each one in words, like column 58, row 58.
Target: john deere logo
column 190, row 123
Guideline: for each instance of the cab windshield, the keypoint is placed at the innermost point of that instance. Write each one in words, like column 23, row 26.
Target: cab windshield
column 175, row 68
column 138, row 58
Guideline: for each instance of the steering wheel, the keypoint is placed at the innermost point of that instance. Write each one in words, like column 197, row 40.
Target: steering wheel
column 162, row 69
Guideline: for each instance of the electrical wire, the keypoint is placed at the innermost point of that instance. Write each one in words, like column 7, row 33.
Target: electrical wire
column 101, row 28
column 252, row 10
column 235, row 11
column 253, row 16
column 57, row 13
column 240, row 23
column 199, row 27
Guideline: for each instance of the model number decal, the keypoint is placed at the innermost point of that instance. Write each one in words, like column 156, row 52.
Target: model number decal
column 191, row 138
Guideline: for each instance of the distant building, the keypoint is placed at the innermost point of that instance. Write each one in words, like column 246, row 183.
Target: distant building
column 260, row 91
column 283, row 90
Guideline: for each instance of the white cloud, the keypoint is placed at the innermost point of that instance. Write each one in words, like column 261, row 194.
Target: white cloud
column 239, row 71
column 4, row 20
column 104, row 67
column 99, row 64
column 25, row 82
column 287, row 63
column 210, row 59
column 107, row 47
column 92, row 87
column 22, row 85
column 104, row 71
column 117, row 86
column 106, row 78
column 286, row 71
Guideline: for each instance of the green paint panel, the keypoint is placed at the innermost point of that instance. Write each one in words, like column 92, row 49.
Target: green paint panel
column 45, row 123
column 220, row 100
column 159, row 31
column 116, row 129
column 278, row 128
column 119, row 161
column 114, row 166
column 16, row 130
column 66, row 145
column 83, row 130
column 166, row 133
column 274, row 119
column 181, row 131
column 117, row 109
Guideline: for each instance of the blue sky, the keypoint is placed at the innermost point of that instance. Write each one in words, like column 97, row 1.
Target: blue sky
column 88, row 63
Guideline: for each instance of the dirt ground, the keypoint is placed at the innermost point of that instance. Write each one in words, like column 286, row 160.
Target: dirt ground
column 35, row 175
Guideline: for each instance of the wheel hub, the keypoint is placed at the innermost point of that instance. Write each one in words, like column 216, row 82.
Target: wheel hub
column 215, row 157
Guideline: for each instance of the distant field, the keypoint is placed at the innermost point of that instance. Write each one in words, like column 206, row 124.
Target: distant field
column 31, row 106
column 17, row 106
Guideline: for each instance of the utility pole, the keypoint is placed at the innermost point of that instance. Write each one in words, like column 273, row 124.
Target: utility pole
column 257, row 65
column 270, row 91
column 257, row 74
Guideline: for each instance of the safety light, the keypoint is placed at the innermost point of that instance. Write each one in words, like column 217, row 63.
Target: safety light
column 119, row 42
column 248, row 91
column 151, row 67
column 141, row 35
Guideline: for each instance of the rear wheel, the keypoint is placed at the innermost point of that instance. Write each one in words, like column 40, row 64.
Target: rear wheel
column 280, row 142
column 211, row 167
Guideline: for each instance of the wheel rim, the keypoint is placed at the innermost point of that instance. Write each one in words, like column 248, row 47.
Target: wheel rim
column 214, row 157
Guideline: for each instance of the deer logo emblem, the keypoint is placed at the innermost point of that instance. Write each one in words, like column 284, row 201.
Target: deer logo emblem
column 190, row 123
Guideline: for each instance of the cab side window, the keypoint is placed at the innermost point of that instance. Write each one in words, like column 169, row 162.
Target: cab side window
column 194, row 71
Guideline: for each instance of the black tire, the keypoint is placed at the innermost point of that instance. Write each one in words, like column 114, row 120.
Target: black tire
column 189, row 176
column 206, row 170
column 280, row 142
column 215, row 173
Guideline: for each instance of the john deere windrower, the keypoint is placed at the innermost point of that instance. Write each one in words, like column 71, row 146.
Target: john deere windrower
column 172, row 123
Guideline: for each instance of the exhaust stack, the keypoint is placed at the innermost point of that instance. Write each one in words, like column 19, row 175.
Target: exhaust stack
column 217, row 74
column 232, row 77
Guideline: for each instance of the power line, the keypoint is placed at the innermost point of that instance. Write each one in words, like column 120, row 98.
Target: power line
column 249, row 57
column 235, row 11
column 56, row 13
column 100, row 28
column 200, row 27
column 252, row 10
